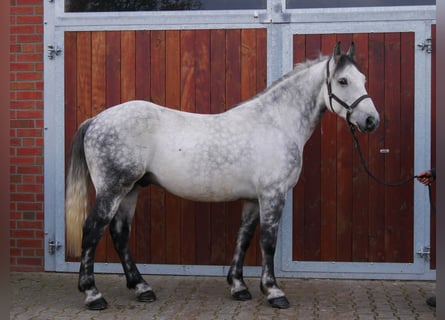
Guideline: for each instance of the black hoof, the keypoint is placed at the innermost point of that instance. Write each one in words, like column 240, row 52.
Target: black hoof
column 99, row 304
column 242, row 295
column 280, row 303
column 147, row 296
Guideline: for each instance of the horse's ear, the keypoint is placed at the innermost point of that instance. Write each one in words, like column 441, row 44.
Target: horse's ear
column 337, row 52
column 351, row 51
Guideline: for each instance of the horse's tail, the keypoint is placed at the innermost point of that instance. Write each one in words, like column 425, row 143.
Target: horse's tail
column 76, row 197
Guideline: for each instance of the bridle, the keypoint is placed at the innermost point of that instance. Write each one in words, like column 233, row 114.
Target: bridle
column 331, row 95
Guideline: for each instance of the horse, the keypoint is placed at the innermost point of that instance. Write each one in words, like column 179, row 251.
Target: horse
column 251, row 152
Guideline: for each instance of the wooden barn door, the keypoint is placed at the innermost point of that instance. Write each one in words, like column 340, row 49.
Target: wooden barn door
column 205, row 71
column 339, row 213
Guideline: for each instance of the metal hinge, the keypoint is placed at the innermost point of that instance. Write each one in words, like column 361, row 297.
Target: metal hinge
column 53, row 50
column 53, row 246
column 426, row 45
column 424, row 252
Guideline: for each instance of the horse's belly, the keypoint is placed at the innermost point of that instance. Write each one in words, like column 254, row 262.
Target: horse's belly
column 207, row 186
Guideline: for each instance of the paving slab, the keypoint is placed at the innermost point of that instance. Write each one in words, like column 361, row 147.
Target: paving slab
column 50, row 295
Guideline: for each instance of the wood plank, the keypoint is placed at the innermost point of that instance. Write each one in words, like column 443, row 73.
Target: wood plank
column 158, row 72
column 98, row 73
column 377, row 201
column 312, row 171
column 202, row 94
column 233, row 97
column 173, row 100
column 360, row 180
column 328, row 187
column 128, row 65
column 344, row 180
column 188, row 103
column 142, row 218
column 83, row 108
column 218, row 216
column 406, row 215
column 142, row 64
column 248, row 64
column 113, row 68
column 393, row 143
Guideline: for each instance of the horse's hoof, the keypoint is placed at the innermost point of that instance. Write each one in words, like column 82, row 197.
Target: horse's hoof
column 280, row 302
column 242, row 295
column 147, row 296
column 99, row 304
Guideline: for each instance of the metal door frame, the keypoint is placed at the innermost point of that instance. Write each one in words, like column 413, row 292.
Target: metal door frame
column 281, row 24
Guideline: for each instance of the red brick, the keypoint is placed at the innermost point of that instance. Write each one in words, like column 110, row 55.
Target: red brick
column 15, row 10
column 29, row 38
column 29, row 132
column 29, row 19
column 22, row 161
column 29, row 206
column 27, row 243
column 29, row 76
column 29, row 57
column 22, row 197
column 30, row 114
column 30, row 188
column 29, row 151
column 22, row 29
column 22, row 234
column 29, row 224
column 22, row 123
column 28, row 2
column 29, row 261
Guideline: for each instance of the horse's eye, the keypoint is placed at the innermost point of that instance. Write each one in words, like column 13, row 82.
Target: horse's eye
column 343, row 81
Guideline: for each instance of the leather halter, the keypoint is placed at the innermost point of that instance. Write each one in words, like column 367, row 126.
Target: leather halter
column 348, row 107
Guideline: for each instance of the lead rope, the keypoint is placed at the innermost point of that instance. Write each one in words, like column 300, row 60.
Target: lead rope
column 395, row 184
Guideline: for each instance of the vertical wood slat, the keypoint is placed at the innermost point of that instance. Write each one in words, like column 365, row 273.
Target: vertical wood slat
column 360, row 182
column 377, row 201
column 142, row 220
column 393, row 140
column 157, row 209
column 173, row 100
column 328, row 187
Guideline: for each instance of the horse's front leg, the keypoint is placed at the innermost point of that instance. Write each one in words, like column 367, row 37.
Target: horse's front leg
column 271, row 207
column 120, row 228
column 249, row 221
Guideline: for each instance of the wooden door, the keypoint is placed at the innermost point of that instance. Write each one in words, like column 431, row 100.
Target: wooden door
column 339, row 213
column 204, row 71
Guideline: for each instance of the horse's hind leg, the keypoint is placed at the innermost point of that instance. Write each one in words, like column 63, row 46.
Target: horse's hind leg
column 120, row 228
column 101, row 214
column 250, row 218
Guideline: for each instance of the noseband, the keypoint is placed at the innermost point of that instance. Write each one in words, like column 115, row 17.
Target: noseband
column 349, row 108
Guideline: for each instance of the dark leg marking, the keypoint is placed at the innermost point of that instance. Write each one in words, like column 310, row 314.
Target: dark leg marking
column 270, row 215
column 250, row 219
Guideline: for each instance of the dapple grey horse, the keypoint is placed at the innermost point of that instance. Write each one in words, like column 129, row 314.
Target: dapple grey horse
column 251, row 152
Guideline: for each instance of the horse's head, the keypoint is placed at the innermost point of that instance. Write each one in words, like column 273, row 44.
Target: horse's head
column 345, row 92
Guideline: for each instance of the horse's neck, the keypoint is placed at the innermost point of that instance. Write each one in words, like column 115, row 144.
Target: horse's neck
column 297, row 102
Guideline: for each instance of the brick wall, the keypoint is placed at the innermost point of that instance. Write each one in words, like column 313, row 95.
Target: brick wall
column 26, row 114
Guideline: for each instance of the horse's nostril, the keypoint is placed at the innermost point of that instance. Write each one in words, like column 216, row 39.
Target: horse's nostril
column 371, row 123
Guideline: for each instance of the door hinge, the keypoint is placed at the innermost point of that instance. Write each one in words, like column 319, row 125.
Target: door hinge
column 53, row 50
column 53, row 246
column 426, row 45
column 424, row 252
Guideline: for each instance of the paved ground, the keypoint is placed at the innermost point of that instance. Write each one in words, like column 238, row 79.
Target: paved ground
column 55, row 296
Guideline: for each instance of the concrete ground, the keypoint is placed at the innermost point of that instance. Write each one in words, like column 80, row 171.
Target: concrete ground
column 55, row 296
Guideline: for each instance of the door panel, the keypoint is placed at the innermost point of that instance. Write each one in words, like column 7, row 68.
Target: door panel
column 339, row 213
column 205, row 71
